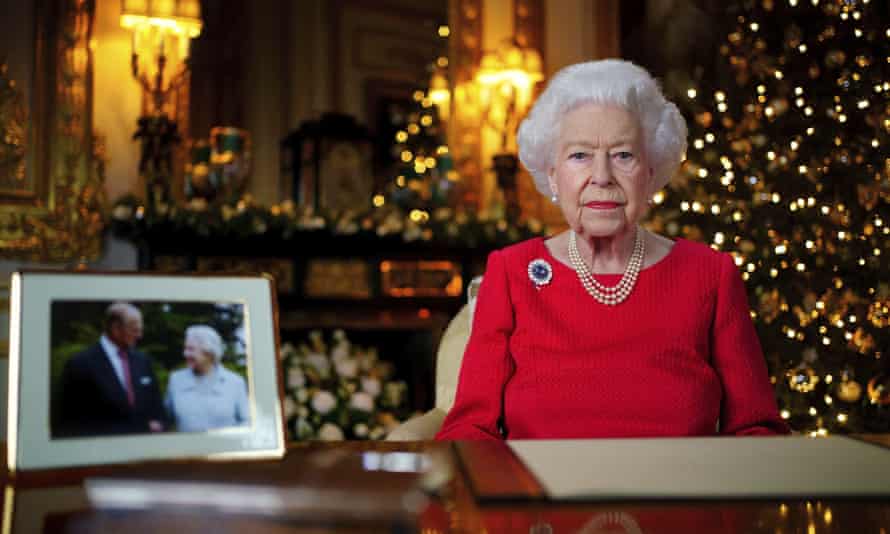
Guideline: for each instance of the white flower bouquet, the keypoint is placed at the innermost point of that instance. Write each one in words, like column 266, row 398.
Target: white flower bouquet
column 339, row 391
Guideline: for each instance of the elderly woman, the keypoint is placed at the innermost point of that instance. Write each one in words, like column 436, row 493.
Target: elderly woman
column 205, row 394
column 607, row 329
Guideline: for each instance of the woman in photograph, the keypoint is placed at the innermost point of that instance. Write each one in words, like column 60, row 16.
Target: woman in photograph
column 205, row 395
column 608, row 329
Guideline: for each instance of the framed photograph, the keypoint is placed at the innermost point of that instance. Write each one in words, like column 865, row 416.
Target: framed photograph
column 108, row 368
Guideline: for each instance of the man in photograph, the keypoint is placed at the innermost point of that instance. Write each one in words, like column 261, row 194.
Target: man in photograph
column 110, row 388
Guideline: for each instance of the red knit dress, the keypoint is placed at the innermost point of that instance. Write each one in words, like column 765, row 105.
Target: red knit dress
column 674, row 359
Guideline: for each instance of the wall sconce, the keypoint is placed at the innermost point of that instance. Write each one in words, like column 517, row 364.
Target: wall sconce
column 506, row 79
column 162, row 33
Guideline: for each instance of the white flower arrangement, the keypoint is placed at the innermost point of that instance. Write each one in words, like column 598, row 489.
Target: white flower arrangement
column 339, row 392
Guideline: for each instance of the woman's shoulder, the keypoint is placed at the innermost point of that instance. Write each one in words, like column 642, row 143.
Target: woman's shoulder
column 230, row 375
column 179, row 376
column 700, row 252
column 522, row 251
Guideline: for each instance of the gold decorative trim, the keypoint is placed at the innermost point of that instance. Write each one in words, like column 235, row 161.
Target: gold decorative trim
column 465, row 43
column 13, row 133
column 61, row 220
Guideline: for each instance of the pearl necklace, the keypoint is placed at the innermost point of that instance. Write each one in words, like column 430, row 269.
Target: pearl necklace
column 604, row 294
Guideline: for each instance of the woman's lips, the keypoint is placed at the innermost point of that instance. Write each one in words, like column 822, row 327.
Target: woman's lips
column 602, row 205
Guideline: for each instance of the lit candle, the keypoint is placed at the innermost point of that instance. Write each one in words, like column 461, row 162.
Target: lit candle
column 183, row 47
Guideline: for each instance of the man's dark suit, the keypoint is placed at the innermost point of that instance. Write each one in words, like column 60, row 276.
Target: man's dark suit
column 95, row 403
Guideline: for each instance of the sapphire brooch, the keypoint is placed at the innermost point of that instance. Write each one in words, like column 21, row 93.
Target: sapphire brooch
column 540, row 272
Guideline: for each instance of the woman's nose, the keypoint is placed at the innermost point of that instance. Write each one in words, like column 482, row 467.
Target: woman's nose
column 600, row 173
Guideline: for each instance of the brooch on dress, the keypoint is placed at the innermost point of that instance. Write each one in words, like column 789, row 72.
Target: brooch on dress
column 540, row 272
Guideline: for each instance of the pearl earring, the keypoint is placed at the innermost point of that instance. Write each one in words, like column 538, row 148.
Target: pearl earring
column 554, row 199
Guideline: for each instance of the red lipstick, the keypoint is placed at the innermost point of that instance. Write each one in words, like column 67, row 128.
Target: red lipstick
column 602, row 205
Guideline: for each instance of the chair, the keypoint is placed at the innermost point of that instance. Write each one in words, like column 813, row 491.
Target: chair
column 448, row 360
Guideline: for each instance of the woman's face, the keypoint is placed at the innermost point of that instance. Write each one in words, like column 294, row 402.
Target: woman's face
column 198, row 361
column 600, row 173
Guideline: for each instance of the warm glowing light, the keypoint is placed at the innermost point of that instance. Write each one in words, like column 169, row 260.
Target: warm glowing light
column 691, row 92
column 419, row 216
column 401, row 136
column 444, row 31
column 379, row 201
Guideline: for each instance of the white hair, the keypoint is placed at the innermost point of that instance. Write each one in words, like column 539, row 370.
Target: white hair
column 207, row 338
column 611, row 82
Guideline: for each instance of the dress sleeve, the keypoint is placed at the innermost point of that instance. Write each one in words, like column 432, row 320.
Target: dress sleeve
column 487, row 363
column 749, row 404
column 242, row 404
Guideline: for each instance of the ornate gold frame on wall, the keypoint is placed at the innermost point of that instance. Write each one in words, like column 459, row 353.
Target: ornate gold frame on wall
column 57, row 215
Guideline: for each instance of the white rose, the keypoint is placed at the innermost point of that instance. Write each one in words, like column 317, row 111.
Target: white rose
column 295, row 378
column 340, row 352
column 360, row 430
column 302, row 396
column 320, row 362
column 362, row 401
column 347, row 368
column 371, row 386
column 323, row 402
column 290, row 407
column 330, row 432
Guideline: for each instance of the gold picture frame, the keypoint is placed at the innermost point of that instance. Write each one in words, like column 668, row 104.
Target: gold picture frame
column 46, row 427
column 51, row 187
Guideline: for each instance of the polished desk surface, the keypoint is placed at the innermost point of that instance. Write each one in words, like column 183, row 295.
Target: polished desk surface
column 56, row 502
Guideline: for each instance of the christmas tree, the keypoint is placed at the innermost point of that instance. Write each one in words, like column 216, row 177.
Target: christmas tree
column 789, row 171
column 423, row 172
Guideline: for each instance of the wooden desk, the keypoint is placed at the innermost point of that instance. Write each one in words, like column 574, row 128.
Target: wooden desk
column 56, row 502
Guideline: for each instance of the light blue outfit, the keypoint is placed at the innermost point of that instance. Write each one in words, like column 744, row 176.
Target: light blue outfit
column 198, row 403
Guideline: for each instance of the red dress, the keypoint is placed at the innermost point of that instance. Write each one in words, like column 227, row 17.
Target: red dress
column 674, row 359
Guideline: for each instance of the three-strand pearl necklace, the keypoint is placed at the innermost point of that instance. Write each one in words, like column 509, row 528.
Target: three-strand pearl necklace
column 609, row 296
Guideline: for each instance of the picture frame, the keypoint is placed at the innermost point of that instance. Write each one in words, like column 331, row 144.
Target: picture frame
column 52, row 167
column 190, row 393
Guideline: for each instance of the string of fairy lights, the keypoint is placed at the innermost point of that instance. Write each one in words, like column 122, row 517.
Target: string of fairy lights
column 420, row 148
column 788, row 171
